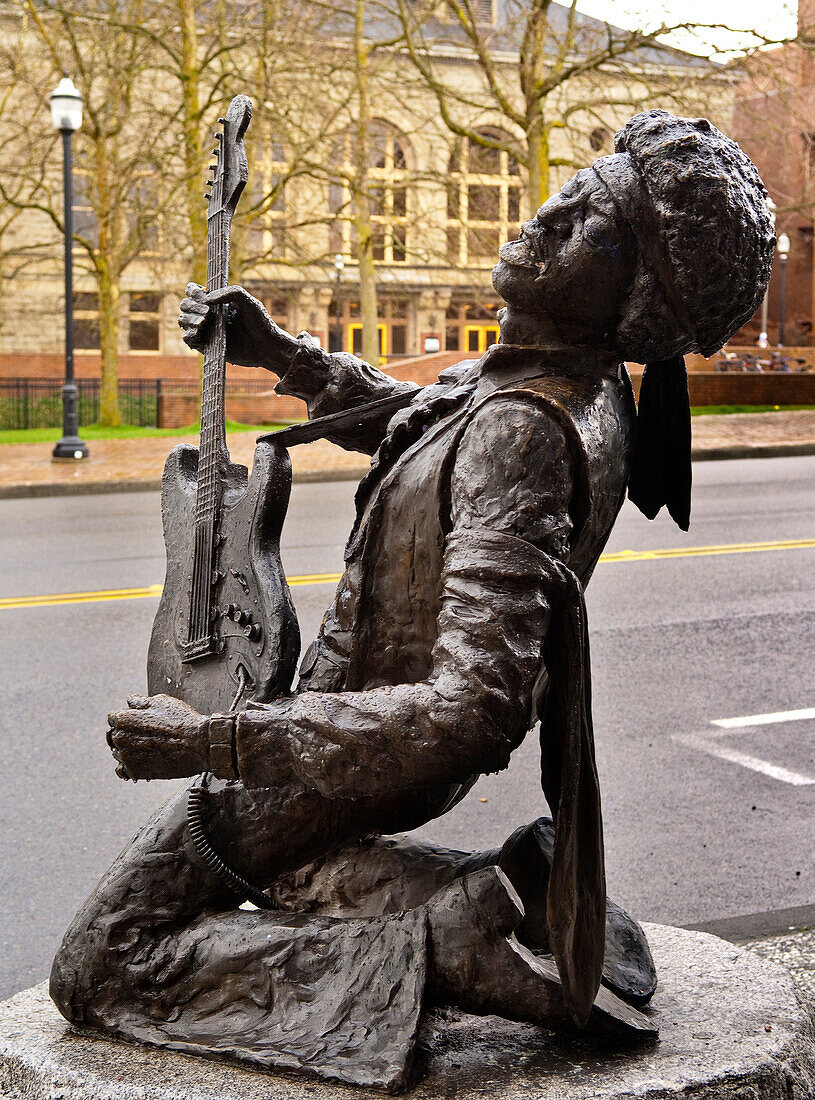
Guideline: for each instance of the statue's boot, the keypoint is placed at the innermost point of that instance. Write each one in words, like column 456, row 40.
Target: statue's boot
column 478, row 964
column 526, row 859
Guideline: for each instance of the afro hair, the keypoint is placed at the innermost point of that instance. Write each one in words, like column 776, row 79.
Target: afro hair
column 716, row 233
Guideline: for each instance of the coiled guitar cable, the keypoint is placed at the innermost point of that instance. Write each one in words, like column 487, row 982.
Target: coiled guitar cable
column 196, row 808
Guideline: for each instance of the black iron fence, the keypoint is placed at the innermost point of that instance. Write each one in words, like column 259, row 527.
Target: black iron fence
column 37, row 402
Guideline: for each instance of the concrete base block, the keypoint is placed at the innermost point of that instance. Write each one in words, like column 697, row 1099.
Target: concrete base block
column 732, row 1027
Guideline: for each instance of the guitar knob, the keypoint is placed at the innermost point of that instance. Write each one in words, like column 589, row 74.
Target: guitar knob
column 243, row 617
column 232, row 611
column 255, row 632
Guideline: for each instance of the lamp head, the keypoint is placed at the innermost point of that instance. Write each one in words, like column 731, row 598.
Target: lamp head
column 783, row 246
column 66, row 106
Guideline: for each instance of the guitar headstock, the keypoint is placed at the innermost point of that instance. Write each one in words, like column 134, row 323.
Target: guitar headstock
column 230, row 171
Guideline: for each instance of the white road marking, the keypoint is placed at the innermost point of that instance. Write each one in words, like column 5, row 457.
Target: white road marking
column 708, row 742
column 754, row 763
column 764, row 719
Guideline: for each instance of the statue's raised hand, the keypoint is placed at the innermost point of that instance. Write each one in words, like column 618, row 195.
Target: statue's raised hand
column 158, row 738
column 252, row 337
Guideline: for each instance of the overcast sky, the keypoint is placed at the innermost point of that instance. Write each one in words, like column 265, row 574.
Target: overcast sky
column 770, row 17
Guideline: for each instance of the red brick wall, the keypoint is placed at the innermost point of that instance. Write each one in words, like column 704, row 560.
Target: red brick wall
column 746, row 389
column 177, row 410
column 186, row 367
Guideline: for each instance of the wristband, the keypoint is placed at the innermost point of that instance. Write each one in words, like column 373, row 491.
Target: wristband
column 223, row 761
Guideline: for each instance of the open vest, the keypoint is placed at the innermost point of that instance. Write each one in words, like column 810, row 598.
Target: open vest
column 376, row 633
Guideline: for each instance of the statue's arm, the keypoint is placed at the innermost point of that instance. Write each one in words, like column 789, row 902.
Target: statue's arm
column 327, row 383
column 330, row 382
column 510, row 490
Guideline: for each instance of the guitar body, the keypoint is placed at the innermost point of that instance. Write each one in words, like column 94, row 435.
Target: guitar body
column 254, row 641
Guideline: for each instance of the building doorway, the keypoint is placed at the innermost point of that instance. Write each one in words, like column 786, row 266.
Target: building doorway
column 480, row 337
column 345, row 329
column 354, row 339
column 471, row 327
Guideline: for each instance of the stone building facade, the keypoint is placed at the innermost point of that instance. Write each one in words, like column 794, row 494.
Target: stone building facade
column 440, row 212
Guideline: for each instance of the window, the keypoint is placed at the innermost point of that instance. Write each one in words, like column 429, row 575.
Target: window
column 85, row 224
column 145, row 321
column 265, row 213
column 86, row 321
column 471, row 327
column 483, row 201
column 345, row 332
column 388, row 196
column 600, row 140
column 144, row 202
column 483, row 11
column 809, row 155
column 278, row 309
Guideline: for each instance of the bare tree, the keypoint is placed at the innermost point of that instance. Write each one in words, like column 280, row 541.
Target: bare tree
column 24, row 147
column 119, row 151
column 551, row 82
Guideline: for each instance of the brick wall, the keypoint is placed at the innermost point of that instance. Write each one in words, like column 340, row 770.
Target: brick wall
column 711, row 388
column 696, row 363
column 177, row 410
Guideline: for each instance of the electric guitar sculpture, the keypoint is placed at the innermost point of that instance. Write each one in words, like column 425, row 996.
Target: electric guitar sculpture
column 226, row 630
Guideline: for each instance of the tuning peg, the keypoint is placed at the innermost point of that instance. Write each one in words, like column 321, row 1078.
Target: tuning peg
column 219, row 137
column 216, row 149
column 222, row 121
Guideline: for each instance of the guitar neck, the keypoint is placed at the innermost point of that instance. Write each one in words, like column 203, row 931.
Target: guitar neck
column 213, row 450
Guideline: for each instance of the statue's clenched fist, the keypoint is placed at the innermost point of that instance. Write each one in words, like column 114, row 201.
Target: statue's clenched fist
column 252, row 337
column 158, row 738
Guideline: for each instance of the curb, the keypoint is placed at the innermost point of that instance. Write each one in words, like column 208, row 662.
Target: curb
column 354, row 473
column 752, row 450
column 757, row 926
column 150, row 485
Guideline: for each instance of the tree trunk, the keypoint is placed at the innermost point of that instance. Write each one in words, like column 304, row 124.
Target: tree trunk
column 109, row 343
column 193, row 152
column 538, row 144
column 362, row 200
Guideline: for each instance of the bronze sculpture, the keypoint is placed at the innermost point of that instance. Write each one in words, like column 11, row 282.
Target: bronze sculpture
column 458, row 622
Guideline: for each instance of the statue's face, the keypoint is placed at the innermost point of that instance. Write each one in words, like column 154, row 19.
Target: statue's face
column 576, row 257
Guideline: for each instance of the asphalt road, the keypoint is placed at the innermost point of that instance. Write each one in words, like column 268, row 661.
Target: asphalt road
column 702, row 821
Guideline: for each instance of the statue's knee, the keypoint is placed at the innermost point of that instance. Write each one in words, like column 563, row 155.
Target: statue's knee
column 76, row 971
column 64, row 981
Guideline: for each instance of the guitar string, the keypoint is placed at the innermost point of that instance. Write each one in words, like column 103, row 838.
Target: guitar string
column 212, row 439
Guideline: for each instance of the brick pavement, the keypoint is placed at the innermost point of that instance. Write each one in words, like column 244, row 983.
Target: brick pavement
column 26, row 469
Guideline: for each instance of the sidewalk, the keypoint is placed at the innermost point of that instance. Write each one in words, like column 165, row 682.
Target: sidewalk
column 124, row 465
column 795, row 951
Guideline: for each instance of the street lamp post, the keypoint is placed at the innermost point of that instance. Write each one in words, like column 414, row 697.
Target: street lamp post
column 783, row 254
column 66, row 116
column 763, row 339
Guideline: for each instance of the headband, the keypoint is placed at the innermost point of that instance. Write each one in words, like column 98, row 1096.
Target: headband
column 661, row 464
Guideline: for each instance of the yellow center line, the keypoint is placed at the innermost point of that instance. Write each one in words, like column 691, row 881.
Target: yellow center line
column 153, row 591
column 704, row 551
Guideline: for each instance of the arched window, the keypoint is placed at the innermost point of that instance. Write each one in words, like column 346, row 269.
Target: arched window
column 483, row 202
column 387, row 194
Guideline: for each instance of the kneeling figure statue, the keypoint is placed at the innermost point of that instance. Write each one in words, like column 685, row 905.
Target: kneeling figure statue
column 457, row 626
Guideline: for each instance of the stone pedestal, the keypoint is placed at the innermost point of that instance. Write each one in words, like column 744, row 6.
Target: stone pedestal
column 732, row 1027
